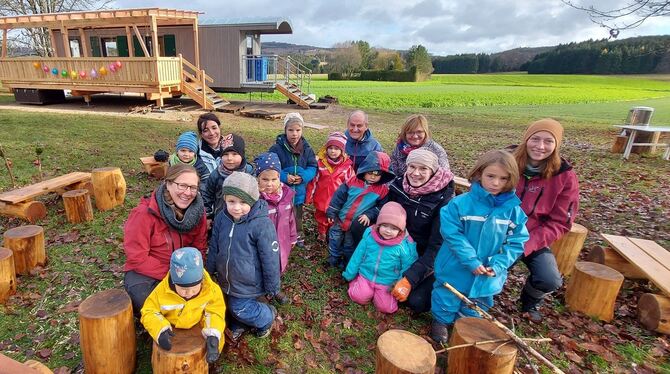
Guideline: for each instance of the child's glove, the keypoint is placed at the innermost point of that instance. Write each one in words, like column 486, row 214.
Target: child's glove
column 212, row 349
column 165, row 339
column 161, row 156
column 401, row 290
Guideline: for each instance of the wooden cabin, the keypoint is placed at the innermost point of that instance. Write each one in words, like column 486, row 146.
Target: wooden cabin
column 92, row 54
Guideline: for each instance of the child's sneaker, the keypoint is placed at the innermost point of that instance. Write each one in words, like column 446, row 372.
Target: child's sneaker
column 300, row 244
column 265, row 332
column 439, row 332
column 236, row 332
column 332, row 262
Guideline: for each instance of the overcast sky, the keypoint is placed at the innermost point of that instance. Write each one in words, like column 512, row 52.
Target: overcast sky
column 442, row 26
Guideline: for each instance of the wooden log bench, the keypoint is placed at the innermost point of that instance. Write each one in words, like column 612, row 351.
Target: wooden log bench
column 154, row 168
column 652, row 261
column 20, row 202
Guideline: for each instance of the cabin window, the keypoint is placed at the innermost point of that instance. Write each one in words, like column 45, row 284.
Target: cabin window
column 109, row 47
column 75, row 47
column 250, row 44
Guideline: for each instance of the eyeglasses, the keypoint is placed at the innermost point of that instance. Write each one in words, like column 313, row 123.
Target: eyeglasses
column 374, row 172
column 418, row 134
column 183, row 187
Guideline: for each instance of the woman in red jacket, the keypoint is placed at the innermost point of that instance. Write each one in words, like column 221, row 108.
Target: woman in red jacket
column 172, row 218
column 549, row 194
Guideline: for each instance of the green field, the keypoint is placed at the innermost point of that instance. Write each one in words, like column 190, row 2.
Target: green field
column 322, row 331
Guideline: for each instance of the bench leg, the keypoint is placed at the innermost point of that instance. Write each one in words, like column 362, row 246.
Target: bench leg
column 629, row 145
column 31, row 211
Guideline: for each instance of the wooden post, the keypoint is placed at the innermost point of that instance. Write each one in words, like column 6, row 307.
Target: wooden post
column 31, row 211
column 66, row 40
column 131, row 45
column 140, row 39
column 52, row 38
column 107, row 333
column 653, row 312
column 4, row 43
column 186, row 356
column 611, row 258
column 196, row 44
column 203, row 83
column 401, row 352
column 619, row 144
column 27, row 245
column 154, row 38
column 78, row 206
column 7, row 275
column 109, row 187
column 592, row 290
column 567, row 248
column 84, row 43
column 484, row 358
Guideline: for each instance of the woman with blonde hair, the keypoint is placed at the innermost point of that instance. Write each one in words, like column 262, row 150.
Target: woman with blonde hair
column 415, row 134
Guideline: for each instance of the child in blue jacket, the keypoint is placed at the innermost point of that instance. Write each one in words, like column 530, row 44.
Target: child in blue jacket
column 484, row 232
column 244, row 256
column 383, row 255
column 357, row 201
column 298, row 164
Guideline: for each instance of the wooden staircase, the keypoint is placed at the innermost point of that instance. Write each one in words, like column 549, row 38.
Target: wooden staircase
column 293, row 92
column 194, row 84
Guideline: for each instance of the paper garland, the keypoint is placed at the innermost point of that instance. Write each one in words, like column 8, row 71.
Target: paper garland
column 83, row 74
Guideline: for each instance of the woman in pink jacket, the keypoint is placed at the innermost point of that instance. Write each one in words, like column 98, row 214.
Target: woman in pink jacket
column 549, row 193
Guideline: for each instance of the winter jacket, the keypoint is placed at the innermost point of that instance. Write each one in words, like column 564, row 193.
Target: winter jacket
column 212, row 189
column 359, row 149
column 551, row 205
column 245, row 254
column 477, row 233
column 423, row 224
column 379, row 263
column 356, row 197
column 164, row 308
column 328, row 178
column 149, row 241
column 399, row 158
column 210, row 162
column 282, row 216
column 303, row 165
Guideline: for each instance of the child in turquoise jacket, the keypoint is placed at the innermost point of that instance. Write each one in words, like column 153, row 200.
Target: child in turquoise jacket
column 484, row 232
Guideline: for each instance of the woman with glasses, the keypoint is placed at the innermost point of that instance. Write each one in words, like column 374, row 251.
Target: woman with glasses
column 415, row 134
column 172, row 217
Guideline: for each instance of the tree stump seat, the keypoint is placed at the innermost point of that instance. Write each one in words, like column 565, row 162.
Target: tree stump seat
column 401, row 352
column 653, row 312
column 78, row 207
column 107, row 333
column 186, row 356
column 482, row 358
column 7, row 274
column 27, row 246
column 567, row 248
column 109, row 187
column 154, row 168
column 20, row 202
column 593, row 289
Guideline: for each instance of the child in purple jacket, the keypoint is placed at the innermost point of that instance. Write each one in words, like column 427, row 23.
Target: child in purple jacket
column 280, row 206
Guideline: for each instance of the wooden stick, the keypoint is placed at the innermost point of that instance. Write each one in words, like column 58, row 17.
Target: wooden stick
column 9, row 167
column 505, row 329
column 540, row 340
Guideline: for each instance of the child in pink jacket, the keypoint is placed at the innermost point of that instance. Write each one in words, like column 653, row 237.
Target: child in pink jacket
column 335, row 168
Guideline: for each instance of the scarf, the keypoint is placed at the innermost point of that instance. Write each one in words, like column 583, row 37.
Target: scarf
column 183, row 221
column 273, row 197
column 387, row 242
column 437, row 182
column 225, row 172
column 532, row 171
column 405, row 147
column 216, row 153
column 298, row 148
column 175, row 160
column 329, row 163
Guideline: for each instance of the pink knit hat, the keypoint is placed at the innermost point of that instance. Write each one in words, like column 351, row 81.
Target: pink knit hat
column 336, row 139
column 393, row 214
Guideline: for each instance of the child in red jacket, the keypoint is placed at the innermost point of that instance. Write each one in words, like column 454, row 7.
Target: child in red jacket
column 335, row 168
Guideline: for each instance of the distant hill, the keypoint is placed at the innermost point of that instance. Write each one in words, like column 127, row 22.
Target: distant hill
column 284, row 49
column 519, row 56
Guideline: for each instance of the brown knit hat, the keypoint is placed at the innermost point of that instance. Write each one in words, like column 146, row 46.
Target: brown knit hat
column 423, row 156
column 546, row 124
column 394, row 214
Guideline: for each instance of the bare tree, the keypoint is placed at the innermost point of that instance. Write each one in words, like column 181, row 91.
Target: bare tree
column 346, row 58
column 38, row 39
column 629, row 16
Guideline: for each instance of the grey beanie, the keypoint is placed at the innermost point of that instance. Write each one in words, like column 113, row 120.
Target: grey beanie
column 424, row 157
column 242, row 185
column 186, row 268
column 293, row 117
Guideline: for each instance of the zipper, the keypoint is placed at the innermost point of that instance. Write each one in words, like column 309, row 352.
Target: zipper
column 570, row 212
column 230, row 244
column 539, row 196
column 379, row 257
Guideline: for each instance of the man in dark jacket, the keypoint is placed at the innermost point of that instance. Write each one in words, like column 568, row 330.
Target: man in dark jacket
column 360, row 141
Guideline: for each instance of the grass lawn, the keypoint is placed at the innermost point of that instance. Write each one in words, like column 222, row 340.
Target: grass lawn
column 322, row 331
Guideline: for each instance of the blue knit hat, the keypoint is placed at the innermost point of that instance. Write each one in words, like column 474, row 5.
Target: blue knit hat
column 267, row 161
column 188, row 140
column 186, row 267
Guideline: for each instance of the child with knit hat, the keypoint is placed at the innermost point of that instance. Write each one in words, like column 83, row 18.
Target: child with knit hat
column 186, row 152
column 232, row 159
column 185, row 297
column 334, row 168
column 298, row 164
column 357, row 202
column 383, row 255
column 244, row 255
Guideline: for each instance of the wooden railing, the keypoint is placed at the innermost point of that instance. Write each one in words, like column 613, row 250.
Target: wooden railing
column 140, row 71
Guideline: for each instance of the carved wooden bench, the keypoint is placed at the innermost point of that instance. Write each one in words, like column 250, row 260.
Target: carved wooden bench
column 20, row 202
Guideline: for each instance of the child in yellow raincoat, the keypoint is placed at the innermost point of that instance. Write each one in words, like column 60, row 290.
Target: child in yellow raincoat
column 185, row 297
